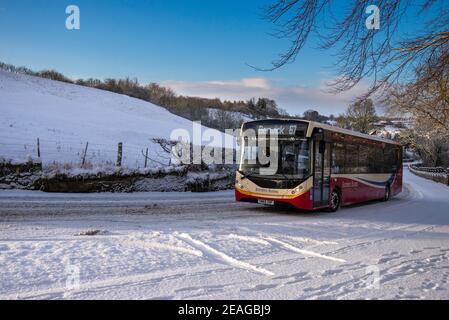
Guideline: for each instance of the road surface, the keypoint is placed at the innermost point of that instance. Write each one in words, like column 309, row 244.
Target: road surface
column 206, row 246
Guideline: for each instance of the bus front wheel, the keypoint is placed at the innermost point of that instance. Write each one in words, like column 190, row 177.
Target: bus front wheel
column 335, row 201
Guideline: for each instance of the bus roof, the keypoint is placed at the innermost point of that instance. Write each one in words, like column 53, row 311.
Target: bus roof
column 313, row 125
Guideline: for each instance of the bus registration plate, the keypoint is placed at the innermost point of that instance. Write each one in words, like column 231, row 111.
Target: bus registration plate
column 266, row 202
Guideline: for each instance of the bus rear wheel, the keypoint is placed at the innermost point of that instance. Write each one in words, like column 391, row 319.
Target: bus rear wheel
column 335, row 201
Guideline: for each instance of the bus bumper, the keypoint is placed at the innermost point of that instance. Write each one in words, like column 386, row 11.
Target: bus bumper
column 302, row 201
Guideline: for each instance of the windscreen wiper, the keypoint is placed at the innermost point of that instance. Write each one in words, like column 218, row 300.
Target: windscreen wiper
column 245, row 175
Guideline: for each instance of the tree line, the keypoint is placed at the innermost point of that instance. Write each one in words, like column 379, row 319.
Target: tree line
column 213, row 113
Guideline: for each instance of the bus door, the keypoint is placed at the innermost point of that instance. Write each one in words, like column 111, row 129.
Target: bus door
column 321, row 171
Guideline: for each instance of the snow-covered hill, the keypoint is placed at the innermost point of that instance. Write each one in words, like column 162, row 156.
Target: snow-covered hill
column 65, row 116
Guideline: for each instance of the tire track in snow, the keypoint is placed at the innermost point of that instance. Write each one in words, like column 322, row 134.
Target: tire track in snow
column 310, row 240
column 302, row 251
column 221, row 256
column 257, row 235
column 162, row 246
column 264, row 240
column 248, row 239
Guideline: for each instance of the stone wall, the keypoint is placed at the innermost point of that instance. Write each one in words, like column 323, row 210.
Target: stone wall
column 440, row 175
column 8, row 167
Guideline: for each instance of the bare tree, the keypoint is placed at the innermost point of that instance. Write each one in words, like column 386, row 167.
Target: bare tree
column 425, row 100
column 386, row 55
column 430, row 142
column 311, row 115
column 359, row 116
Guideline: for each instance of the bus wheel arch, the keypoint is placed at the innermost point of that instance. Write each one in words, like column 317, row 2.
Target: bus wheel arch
column 335, row 200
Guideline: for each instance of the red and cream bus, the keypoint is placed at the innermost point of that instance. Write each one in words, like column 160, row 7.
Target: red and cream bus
column 318, row 165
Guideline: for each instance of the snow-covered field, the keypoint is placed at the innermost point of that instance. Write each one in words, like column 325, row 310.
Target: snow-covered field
column 203, row 246
column 65, row 116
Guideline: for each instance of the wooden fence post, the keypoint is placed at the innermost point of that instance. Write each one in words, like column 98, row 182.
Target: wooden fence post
column 119, row 154
column 84, row 155
column 146, row 158
column 38, row 148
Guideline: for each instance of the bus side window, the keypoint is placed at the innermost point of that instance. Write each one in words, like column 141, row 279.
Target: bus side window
column 351, row 162
column 371, row 159
column 389, row 159
column 363, row 165
column 396, row 162
column 377, row 159
column 338, row 158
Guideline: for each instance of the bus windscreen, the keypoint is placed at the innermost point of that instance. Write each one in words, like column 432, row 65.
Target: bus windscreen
column 290, row 151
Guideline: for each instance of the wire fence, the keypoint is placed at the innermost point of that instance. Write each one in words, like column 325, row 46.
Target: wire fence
column 74, row 152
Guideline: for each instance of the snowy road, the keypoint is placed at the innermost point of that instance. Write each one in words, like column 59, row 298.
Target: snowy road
column 201, row 246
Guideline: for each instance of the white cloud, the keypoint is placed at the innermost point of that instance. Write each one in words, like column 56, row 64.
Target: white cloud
column 295, row 99
column 256, row 83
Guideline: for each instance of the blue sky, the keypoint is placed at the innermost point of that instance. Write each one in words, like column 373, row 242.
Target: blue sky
column 197, row 47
